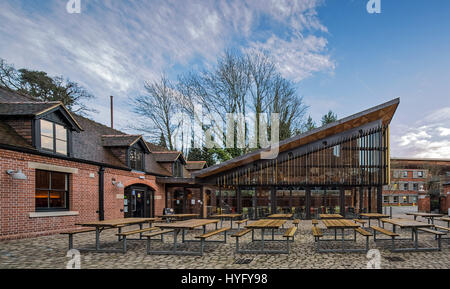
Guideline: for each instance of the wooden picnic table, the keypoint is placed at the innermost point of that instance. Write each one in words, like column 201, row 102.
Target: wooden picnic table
column 280, row 216
column 429, row 216
column 223, row 217
column 263, row 225
column 340, row 224
column 114, row 223
column 376, row 216
column 182, row 226
column 408, row 224
column 330, row 216
column 178, row 216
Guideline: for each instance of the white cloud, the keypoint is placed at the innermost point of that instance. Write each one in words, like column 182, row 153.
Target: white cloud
column 112, row 47
column 427, row 138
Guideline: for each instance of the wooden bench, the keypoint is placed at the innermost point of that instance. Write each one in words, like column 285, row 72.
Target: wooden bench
column 360, row 221
column 442, row 228
column 239, row 234
column 207, row 235
column 296, row 222
column 239, row 223
column 290, row 235
column 74, row 232
column 436, row 233
column 364, row 233
column 317, row 233
column 149, row 236
column 124, row 235
column 314, row 222
column 391, row 234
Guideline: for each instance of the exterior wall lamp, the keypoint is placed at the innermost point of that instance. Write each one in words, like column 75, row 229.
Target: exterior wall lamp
column 117, row 184
column 17, row 175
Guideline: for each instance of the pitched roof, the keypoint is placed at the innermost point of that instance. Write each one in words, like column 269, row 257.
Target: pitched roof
column 167, row 156
column 383, row 112
column 7, row 95
column 195, row 165
column 87, row 144
column 26, row 108
column 10, row 137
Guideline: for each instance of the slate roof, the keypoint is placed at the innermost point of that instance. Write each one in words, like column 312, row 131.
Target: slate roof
column 167, row 156
column 25, row 108
column 195, row 165
column 87, row 144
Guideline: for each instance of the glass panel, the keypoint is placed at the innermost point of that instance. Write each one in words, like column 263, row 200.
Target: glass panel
column 284, row 202
column 247, row 199
column 263, row 205
column 42, row 179
column 193, row 201
column 61, row 147
column 61, row 132
column 299, row 203
column 59, row 181
column 46, row 128
column 57, row 199
column 47, row 143
column 229, row 201
column 41, row 199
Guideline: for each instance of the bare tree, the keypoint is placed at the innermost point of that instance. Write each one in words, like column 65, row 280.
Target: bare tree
column 243, row 83
column 160, row 107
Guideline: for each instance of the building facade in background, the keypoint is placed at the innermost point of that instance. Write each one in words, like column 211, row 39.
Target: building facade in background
column 409, row 176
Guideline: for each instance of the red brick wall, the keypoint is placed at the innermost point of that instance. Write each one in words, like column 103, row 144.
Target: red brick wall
column 17, row 196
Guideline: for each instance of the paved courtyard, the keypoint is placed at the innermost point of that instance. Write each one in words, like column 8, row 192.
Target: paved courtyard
column 50, row 252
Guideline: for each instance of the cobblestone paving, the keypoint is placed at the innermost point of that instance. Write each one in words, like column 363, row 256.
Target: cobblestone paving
column 50, row 252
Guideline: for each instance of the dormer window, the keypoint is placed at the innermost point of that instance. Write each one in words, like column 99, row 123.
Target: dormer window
column 178, row 169
column 53, row 137
column 136, row 159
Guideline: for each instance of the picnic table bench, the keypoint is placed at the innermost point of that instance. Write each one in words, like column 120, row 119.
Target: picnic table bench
column 263, row 225
column 377, row 216
column 340, row 224
column 414, row 226
column 171, row 217
column 182, row 226
column 240, row 222
column 100, row 226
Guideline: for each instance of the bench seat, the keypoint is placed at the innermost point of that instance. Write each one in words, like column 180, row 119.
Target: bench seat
column 290, row 232
column 442, row 228
column 241, row 233
column 242, row 221
column 431, row 231
column 363, row 232
column 317, row 233
column 314, row 222
column 384, row 231
column 210, row 234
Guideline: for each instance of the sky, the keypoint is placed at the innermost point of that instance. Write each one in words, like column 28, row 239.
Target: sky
column 340, row 56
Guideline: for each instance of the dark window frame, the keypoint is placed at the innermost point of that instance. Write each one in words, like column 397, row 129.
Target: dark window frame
column 67, row 193
column 38, row 135
column 130, row 161
column 177, row 169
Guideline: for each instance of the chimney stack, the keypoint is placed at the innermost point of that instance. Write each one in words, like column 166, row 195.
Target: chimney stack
column 112, row 111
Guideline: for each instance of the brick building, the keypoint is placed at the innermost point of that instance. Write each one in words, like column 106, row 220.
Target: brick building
column 58, row 169
column 76, row 170
column 409, row 176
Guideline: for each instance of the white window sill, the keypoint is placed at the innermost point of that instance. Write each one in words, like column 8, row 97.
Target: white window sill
column 53, row 214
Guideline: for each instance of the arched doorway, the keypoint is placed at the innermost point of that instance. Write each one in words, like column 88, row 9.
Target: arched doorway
column 139, row 201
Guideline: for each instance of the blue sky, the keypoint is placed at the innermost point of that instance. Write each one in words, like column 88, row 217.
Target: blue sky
column 341, row 57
